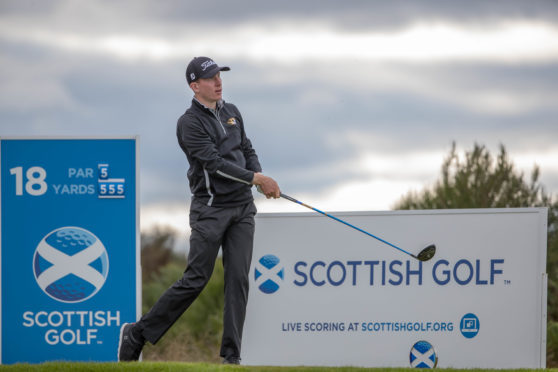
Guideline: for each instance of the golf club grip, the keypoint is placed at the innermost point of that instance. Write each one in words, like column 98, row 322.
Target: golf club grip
column 284, row 196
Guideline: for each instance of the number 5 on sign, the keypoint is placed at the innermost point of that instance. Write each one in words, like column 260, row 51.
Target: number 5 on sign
column 35, row 177
column 112, row 188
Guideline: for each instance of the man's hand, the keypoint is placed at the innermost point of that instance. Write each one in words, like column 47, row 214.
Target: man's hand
column 267, row 186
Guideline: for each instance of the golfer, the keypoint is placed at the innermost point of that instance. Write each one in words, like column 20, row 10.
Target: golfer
column 223, row 168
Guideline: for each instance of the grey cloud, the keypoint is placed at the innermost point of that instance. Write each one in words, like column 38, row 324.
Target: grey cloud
column 168, row 17
column 298, row 116
column 351, row 14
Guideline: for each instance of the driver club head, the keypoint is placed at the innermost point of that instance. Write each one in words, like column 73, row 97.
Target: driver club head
column 427, row 253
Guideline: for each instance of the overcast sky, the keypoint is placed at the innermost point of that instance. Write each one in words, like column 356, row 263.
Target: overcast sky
column 349, row 104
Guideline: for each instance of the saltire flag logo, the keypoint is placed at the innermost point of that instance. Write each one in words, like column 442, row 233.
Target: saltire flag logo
column 70, row 264
column 423, row 355
column 268, row 274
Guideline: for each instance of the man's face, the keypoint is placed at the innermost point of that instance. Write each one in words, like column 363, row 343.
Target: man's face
column 208, row 91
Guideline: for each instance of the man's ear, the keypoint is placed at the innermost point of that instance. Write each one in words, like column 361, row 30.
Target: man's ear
column 194, row 86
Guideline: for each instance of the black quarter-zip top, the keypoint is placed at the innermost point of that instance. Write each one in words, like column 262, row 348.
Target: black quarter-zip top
column 222, row 160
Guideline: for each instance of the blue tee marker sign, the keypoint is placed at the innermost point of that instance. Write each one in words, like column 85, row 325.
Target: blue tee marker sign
column 69, row 247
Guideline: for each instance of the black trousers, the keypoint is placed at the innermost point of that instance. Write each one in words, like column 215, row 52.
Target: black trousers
column 212, row 228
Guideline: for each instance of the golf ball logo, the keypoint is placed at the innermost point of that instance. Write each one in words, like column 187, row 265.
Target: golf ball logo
column 423, row 355
column 70, row 264
column 269, row 274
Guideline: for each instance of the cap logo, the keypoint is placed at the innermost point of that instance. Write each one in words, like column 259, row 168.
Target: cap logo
column 207, row 64
column 192, row 76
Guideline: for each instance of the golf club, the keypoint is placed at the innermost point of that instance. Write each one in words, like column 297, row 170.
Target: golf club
column 424, row 255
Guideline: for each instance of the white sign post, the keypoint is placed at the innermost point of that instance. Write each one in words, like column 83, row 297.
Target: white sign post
column 326, row 295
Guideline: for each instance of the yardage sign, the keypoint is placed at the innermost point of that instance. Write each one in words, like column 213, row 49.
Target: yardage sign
column 69, row 247
column 323, row 294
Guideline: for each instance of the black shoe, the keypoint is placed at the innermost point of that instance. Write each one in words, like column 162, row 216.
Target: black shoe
column 128, row 348
column 232, row 360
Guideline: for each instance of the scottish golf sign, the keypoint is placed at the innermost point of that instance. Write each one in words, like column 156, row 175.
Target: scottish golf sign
column 69, row 247
column 324, row 295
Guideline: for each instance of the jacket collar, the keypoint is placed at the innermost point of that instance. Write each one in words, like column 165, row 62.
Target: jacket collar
column 218, row 107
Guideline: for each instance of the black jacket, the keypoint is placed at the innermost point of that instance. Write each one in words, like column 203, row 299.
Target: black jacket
column 222, row 160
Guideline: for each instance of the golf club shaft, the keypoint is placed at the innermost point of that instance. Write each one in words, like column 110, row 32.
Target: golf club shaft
column 346, row 223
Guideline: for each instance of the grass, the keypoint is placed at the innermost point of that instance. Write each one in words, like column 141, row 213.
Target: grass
column 202, row 367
